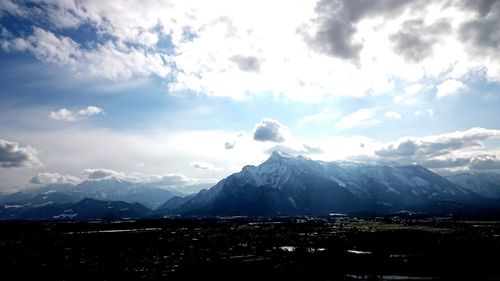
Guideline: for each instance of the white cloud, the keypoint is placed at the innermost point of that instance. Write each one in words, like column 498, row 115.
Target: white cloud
column 45, row 45
column 12, row 8
column 393, row 115
column 13, row 155
column 421, row 112
column 53, row 178
column 90, row 110
column 449, row 87
column 413, row 89
column 109, row 60
column 463, row 149
column 362, row 118
column 98, row 174
column 296, row 149
column 179, row 182
column 410, row 95
column 64, row 114
column 335, row 53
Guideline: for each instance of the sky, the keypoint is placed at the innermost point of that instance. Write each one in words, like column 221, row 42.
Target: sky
column 185, row 93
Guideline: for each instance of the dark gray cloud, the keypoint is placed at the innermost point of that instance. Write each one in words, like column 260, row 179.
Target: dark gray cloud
column 483, row 7
column 247, row 63
column 483, row 32
column 13, row 155
column 270, row 130
column 415, row 41
column 337, row 21
column 403, row 149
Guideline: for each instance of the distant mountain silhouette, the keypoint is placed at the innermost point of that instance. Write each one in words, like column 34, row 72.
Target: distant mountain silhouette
column 111, row 189
column 83, row 210
column 485, row 184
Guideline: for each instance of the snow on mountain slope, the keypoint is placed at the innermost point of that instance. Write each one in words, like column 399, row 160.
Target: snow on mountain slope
column 485, row 184
column 284, row 184
column 112, row 189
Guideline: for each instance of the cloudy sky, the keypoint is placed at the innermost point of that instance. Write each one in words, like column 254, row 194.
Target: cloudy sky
column 187, row 92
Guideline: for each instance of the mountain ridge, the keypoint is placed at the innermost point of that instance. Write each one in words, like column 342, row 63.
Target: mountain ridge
column 109, row 189
column 284, row 184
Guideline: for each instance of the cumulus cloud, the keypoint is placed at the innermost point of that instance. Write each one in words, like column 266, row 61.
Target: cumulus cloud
column 45, row 45
column 450, row 150
column 449, row 87
column 337, row 24
column 311, row 49
column 53, row 178
column 99, row 174
column 14, row 155
column 482, row 31
column 64, row 114
column 109, row 60
column 270, row 130
column 90, row 110
column 415, row 41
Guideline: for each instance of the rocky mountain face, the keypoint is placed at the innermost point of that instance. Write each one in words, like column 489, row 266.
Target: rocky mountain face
column 286, row 185
column 485, row 184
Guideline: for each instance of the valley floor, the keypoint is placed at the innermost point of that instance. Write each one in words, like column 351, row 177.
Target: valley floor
column 337, row 248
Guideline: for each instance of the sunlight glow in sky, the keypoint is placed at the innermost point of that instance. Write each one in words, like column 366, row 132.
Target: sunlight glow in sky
column 191, row 91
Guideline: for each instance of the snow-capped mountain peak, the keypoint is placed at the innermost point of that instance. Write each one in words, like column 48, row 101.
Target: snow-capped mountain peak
column 284, row 183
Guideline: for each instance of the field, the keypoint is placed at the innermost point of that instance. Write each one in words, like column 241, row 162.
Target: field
column 337, row 248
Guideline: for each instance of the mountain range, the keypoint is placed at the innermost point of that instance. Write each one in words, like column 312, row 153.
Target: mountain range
column 283, row 185
column 286, row 185
column 485, row 184
column 109, row 189
column 85, row 209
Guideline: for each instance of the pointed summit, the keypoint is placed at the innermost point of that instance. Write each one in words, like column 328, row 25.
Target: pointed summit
column 286, row 185
column 280, row 154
